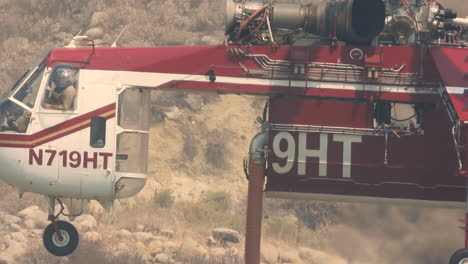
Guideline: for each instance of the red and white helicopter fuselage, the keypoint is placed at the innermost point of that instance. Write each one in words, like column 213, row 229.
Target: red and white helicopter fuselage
column 355, row 123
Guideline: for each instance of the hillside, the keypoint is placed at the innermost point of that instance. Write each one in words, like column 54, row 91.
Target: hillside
column 197, row 144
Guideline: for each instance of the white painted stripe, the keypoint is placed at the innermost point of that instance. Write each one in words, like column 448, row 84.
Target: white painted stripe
column 120, row 78
column 327, row 85
column 456, row 90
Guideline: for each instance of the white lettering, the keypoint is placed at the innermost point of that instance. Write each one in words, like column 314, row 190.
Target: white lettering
column 289, row 153
column 320, row 153
column 347, row 141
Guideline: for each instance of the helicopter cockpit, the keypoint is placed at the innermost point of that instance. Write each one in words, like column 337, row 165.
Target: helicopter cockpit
column 16, row 105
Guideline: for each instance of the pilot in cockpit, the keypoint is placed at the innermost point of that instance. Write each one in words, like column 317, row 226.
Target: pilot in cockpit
column 62, row 93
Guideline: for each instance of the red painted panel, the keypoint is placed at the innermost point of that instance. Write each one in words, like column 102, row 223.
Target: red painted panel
column 320, row 112
column 198, row 59
column 452, row 64
column 452, row 67
column 458, row 102
column 418, row 167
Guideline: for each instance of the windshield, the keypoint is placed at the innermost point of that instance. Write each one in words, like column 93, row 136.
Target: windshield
column 21, row 80
column 14, row 116
column 27, row 92
column 15, row 86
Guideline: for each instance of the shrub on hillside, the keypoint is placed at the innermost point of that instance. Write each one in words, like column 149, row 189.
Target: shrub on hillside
column 209, row 215
column 163, row 198
column 314, row 215
column 220, row 200
column 287, row 229
column 282, row 229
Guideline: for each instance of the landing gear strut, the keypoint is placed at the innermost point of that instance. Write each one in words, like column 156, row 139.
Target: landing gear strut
column 60, row 237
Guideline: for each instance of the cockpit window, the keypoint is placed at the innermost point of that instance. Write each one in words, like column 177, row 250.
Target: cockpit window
column 61, row 89
column 26, row 75
column 28, row 92
column 16, row 85
column 16, row 105
column 13, row 117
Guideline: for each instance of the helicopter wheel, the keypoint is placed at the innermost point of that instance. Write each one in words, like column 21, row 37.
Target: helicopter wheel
column 60, row 238
column 459, row 257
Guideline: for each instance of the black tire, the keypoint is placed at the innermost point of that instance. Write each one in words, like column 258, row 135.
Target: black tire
column 69, row 242
column 459, row 256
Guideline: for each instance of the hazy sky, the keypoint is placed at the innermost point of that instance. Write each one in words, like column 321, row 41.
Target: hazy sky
column 460, row 5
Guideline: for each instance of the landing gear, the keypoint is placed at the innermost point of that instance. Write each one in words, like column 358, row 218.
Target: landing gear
column 60, row 237
column 459, row 257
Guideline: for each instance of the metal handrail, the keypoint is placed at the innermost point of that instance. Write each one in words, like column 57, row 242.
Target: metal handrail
column 342, row 130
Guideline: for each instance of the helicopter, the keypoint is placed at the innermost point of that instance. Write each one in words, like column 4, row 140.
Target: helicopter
column 371, row 109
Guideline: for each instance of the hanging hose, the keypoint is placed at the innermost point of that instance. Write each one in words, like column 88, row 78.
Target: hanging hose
column 256, row 168
column 265, row 14
column 403, row 120
column 247, row 21
column 257, row 148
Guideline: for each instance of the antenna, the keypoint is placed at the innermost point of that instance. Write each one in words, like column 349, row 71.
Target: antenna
column 114, row 44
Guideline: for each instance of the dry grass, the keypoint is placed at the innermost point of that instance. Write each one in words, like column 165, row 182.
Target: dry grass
column 212, row 210
column 220, row 200
column 87, row 252
column 288, row 230
column 223, row 259
column 94, row 253
column 206, row 216
column 146, row 214
column 227, row 259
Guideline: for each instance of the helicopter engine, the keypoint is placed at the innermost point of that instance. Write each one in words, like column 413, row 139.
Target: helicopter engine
column 261, row 22
column 422, row 22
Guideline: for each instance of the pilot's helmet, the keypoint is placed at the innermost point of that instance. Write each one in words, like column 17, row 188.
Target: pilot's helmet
column 63, row 78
